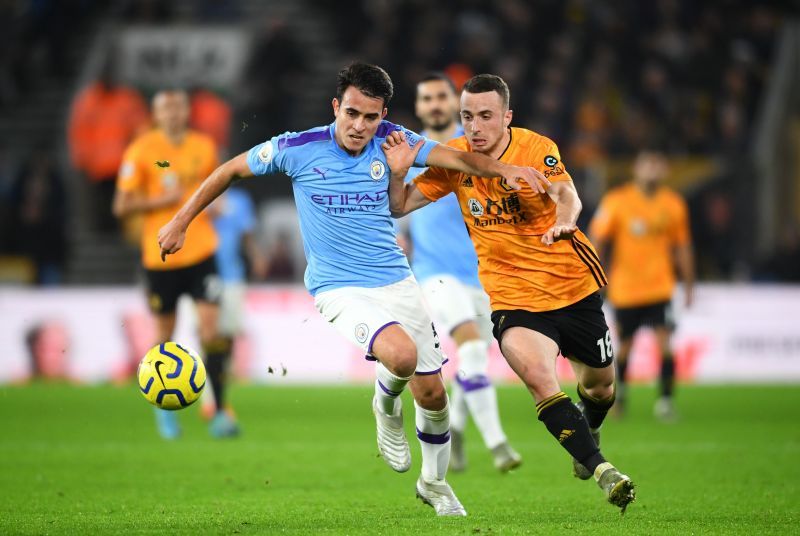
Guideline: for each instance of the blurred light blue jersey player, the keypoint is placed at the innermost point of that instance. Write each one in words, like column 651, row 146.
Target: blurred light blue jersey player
column 236, row 219
column 440, row 241
column 342, row 203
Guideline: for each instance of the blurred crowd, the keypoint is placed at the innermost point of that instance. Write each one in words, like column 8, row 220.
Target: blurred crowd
column 601, row 78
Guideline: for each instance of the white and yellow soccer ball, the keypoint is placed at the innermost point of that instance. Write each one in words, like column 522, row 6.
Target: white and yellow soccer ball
column 171, row 376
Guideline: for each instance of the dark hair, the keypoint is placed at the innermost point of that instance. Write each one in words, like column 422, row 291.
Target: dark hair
column 370, row 80
column 483, row 83
column 438, row 76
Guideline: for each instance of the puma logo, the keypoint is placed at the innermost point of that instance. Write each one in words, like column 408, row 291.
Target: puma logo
column 321, row 171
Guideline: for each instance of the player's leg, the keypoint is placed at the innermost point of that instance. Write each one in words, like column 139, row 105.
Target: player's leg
column 217, row 351
column 206, row 290
column 162, row 298
column 586, row 340
column 663, row 325
column 628, row 321
column 361, row 315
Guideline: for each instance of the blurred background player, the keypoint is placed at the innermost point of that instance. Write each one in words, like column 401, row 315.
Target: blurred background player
column 447, row 271
column 235, row 223
column 160, row 170
column 646, row 224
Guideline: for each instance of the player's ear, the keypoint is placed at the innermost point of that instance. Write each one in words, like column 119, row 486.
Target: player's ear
column 507, row 118
column 335, row 105
column 385, row 111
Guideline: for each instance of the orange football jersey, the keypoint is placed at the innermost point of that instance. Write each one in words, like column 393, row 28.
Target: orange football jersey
column 506, row 227
column 187, row 164
column 643, row 230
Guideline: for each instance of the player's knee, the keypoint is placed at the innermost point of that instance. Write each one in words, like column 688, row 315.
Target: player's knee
column 432, row 396
column 603, row 390
column 400, row 359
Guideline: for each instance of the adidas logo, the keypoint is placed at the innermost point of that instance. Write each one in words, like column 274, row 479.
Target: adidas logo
column 467, row 183
column 565, row 434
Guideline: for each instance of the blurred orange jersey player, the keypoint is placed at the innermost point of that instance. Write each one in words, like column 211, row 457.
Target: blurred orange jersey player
column 160, row 170
column 647, row 226
column 541, row 272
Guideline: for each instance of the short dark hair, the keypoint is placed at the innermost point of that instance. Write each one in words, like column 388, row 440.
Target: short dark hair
column 434, row 76
column 369, row 79
column 483, row 83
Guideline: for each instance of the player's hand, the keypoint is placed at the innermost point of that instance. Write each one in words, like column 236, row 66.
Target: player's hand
column 170, row 238
column 558, row 232
column 399, row 154
column 688, row 298
column 534, row 178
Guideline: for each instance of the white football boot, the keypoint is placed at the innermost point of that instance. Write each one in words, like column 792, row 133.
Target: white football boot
column 440, row 496
column 392, row 442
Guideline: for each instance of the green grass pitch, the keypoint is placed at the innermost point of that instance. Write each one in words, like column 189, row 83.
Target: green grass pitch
column 86, row 460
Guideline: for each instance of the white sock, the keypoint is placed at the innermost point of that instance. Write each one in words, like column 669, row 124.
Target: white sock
column 433, row 431
column 458, row 408
column 388, row 389
column 478, row 392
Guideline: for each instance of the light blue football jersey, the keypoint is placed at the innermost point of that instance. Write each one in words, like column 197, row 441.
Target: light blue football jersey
column 343, row 205
column 236, row 219
column 439, row 238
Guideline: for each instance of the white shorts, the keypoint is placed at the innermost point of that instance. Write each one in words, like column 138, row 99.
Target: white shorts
column 231, row 308
column 360, row 314
column 452, row 303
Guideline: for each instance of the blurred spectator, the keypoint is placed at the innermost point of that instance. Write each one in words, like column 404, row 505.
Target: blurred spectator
column 784, row 264
column 281, row 266
column 147, row 11
column 273, row 77
column 39, row 217
column 212, row 115
column 105, row 117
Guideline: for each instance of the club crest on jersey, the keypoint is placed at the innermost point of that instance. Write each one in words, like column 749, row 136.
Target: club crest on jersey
column 362, row 332
column 377, row 170
column 550, row 160
column 266, row 153
column 475, row 207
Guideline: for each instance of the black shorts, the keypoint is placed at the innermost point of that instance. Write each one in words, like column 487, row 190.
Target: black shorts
column 629, row 319
column 164, row 287
column 580, row 329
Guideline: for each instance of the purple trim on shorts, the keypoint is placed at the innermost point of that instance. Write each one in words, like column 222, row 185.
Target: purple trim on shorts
column 388, row 391
column 437, row 371
column 304, row 138
column 434, row 439
column 473, row 384
column 372, row 340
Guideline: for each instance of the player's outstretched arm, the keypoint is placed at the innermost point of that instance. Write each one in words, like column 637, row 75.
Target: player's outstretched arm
column 484, row 166
column 172, row 235
column 568, row 208
column 684, row 255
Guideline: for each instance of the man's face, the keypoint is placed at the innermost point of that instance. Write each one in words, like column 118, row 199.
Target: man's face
column 436, row 104
column 357, row 119
column 485, row 120
column 171, row 110
column 650, row 168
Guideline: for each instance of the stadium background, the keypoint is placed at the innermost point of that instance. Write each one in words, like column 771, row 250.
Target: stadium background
column 717, row 82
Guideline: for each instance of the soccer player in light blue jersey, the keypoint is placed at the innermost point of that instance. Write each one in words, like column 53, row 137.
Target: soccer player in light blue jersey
column 359, row 277
column 235, row 223
column 447, row 271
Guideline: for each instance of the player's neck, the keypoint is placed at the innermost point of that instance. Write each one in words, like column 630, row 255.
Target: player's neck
column 175, row 137
column 500, row 147
column 444, row 135
column 649, row 190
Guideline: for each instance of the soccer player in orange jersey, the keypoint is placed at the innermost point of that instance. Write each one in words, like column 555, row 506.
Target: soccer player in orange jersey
column 541, row 273
column 160, row 170
column 647, row 225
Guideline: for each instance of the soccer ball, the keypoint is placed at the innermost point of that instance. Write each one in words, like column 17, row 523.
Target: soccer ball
column 171, row 376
